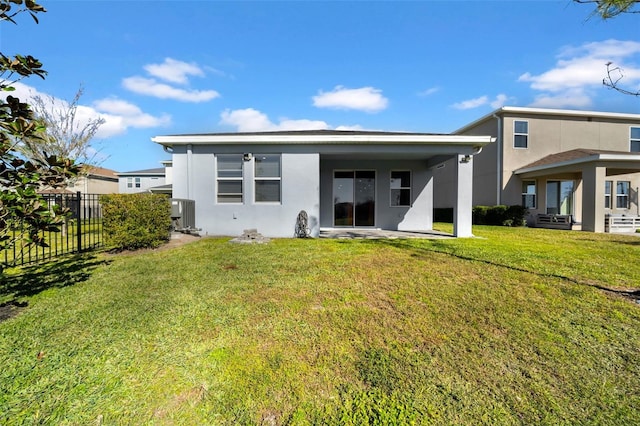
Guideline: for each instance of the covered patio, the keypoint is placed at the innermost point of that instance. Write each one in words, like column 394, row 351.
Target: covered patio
column 580, row 183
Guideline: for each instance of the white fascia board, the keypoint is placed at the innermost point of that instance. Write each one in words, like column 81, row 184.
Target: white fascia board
column 408, row 139
column 544, row 111
column 589, row 159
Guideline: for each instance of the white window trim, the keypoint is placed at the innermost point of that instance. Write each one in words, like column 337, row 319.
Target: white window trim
column 271, row 178
column 520, row 134
column 410, row 188
column 608, row 195
column 631, row 139
column 626, row 196
column 240, row 178
column 535, row 193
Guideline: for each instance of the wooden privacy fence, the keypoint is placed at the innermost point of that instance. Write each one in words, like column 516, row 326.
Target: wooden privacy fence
column 81, row 231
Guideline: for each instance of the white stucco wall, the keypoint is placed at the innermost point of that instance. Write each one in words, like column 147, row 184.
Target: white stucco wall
column 300, row 188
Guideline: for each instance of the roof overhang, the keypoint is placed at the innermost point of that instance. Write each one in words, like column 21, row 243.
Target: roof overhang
column 321, row 139
column 531, row 112
column 621, row 163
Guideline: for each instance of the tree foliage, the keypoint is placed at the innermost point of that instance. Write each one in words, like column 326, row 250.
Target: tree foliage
column 607, row 9
column 23, row 211
column 65, row 135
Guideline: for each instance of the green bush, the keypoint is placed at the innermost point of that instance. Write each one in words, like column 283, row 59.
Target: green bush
column 443, row 215
column 499, row 215
column 134, row 221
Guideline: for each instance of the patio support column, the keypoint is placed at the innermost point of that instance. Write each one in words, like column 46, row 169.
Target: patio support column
column 593, row 178
column 464, row 196
column 427, row 194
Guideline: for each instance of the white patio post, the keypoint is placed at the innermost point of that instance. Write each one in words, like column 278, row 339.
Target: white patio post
column 593, row 178
column 462, row 208
column 427, row 194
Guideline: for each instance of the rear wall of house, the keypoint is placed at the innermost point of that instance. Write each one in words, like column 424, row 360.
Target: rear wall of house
column 417, row 216
column 195, row 177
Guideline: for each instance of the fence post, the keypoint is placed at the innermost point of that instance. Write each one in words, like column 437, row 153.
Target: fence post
column 78, row 221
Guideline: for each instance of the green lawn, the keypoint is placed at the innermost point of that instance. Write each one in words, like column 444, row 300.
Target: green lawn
column 513, row 327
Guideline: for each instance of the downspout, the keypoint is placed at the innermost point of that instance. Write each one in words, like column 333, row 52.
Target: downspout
column 498, row 161
column 189, row 172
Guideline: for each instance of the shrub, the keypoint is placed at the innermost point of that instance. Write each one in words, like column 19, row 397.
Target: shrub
column 134, row 221
column 499, row 215
column 443, row 215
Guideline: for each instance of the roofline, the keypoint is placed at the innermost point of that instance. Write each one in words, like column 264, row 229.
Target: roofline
column 588, row 159
column 321, row 139
column 549, row 111
column 141, row 173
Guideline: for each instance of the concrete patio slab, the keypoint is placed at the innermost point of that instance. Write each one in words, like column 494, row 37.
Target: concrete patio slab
column 354, row 233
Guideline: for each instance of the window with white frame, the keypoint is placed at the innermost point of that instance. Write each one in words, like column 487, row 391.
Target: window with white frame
column 634, row 139
column 400, row 185
column 608, row 184
column 622, row 194
column 520, row 134
column 229, row 178
column 267, row 178
column 529, row 194
column 133, row 182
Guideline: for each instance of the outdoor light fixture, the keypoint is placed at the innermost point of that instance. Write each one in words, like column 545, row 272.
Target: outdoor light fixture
column 465, row 159
column 247, row 156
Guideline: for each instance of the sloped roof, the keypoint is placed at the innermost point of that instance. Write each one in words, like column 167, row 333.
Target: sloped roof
column 155, row 171
column 100, row 171
column 576, row 156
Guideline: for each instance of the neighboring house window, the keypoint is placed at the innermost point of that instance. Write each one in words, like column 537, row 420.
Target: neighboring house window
column 529, row 194
column 229, row 178
column 133, row 182
column 622, row 194
column 400, row 188
column 520, row 134
column 634, row 134
column 267, row 178
column 607, row 193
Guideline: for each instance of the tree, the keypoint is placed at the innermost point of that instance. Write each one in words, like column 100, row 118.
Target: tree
column 607, row 9
column 65, row 135
column 23, row 212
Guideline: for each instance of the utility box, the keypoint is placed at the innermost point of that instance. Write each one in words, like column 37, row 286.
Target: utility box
column 183, row 215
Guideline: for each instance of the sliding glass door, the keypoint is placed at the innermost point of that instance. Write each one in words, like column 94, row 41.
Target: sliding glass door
column 560, row 197
column 354, row 193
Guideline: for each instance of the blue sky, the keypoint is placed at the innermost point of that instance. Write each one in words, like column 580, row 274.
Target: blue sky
column 171, row 67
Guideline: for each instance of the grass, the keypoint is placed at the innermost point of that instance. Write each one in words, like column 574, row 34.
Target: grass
column 513, row 327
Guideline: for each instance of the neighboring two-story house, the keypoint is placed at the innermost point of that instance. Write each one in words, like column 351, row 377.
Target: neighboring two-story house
column 141, row 180
column 555, row 162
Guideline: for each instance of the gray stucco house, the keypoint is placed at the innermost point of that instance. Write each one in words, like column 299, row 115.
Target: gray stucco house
column 348, row 179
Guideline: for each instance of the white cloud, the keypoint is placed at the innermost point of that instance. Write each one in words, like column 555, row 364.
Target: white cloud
column 151, row 87
column 366, row 99
column 174, row 71
column 472, row 103
column 252, row 120
column 118, row 114
column 576, row 98
column 499, row 101
column 165, row 76
column 430, row 91
column 579, row 71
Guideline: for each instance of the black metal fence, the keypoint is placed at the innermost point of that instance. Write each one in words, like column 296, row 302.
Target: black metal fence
column 81, row 231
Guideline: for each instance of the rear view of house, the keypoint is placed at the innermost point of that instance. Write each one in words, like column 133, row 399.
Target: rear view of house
column 350, row 179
